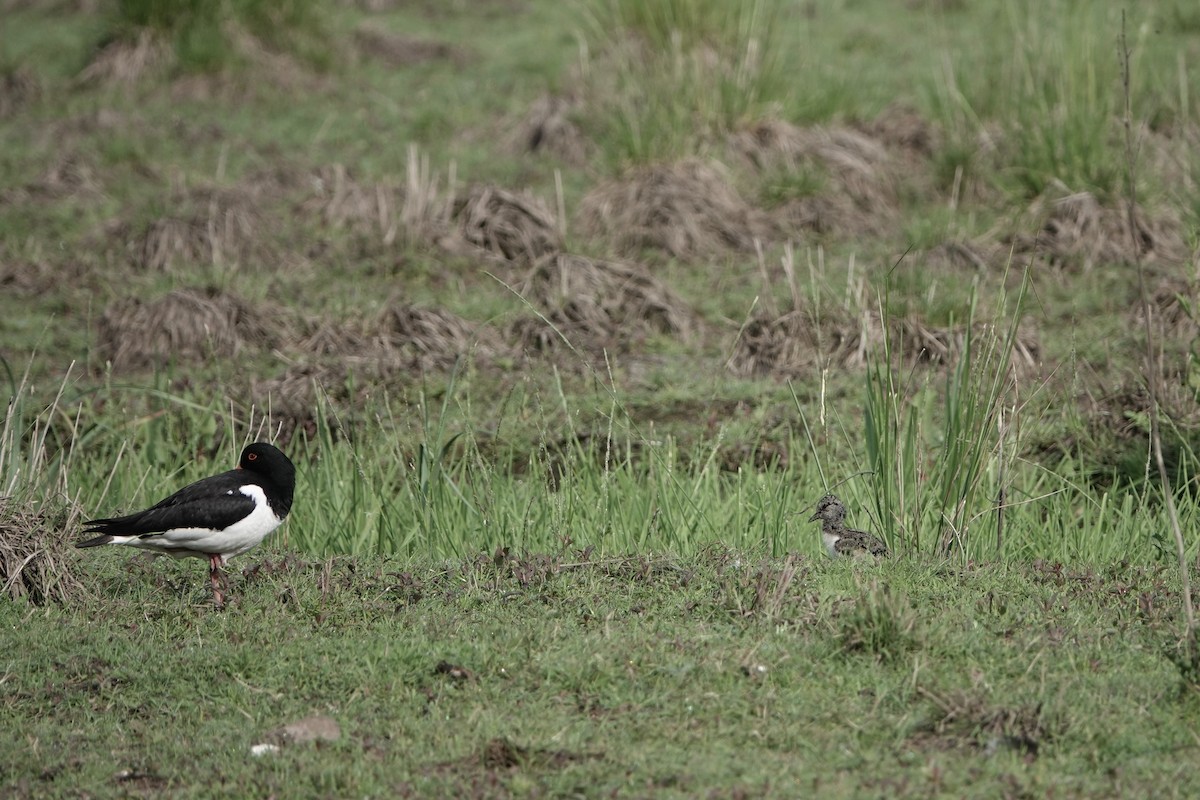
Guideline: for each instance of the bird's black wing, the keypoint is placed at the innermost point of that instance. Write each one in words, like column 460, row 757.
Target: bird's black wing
column 213, row 502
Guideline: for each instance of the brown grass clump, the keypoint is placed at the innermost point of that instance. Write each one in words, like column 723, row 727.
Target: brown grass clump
column 36, row 557
column 795, row 344
column 547, row 128
column 208, row 226
column 514, row 227
column 19, row 87
column 343, row 202
column 1077, row 229
column 291, row 401
column 399, row 50
column 961, row 719
column 183, row 325
column 126, row 62
column 689, row 210
column 597, row 304
column 901, row 127
column 434, row 339
column 404, row 337
column 860, row 195
column 69, row 175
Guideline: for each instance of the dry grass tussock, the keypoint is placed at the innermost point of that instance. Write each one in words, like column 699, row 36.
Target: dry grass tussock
column 427, row 210
column 404, row 337
column 965, row 719
column 401, row 50
column 341, row 201
column 1078, row 230
column 344, row 361
column 37, row 560
column 183, row 325
column 597, row 304
column 689, row 210
column 797, row 342
column 210, row 226
column 129, row 61
column 516, row 227
column 861, row 175
column 69, row 175
column 19, row 87
column 547, row 128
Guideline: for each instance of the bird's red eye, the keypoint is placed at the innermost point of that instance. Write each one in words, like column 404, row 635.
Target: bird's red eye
column 252, row 457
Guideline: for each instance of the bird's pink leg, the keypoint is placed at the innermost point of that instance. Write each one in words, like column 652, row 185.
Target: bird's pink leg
column 215, row 577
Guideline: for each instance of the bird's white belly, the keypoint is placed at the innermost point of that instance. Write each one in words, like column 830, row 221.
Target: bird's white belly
column 830, row 541
column 232, row 541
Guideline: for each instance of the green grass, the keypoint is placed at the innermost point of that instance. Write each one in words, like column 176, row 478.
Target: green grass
column 719, row 673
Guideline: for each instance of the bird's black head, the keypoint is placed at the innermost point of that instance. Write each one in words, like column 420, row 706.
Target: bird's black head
column 269, row 462
column 829, row 509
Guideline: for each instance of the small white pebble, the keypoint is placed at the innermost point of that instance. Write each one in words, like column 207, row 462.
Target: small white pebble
column 263, row 749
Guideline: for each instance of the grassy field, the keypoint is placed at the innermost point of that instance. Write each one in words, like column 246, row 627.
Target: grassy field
column 568, row 314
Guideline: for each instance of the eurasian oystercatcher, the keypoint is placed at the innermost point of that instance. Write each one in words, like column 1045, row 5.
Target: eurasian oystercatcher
column 215, row 518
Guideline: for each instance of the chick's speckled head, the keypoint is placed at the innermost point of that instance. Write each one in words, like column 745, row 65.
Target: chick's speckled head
column 829, row 509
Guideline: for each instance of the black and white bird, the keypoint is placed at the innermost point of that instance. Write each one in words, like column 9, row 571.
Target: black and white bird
column 840, row 540
column 217, row 518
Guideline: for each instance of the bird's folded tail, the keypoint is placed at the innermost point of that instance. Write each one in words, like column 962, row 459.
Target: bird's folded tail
column 99, row 540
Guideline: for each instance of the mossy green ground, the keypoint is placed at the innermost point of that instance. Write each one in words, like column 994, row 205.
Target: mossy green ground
column 718, row 675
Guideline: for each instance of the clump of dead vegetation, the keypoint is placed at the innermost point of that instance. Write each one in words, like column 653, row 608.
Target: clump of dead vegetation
column 1077, row 229
column 689, row 210
column 548, row 127
column 183, row 325
column 965, row 719
column 512, row 226
column 370, row 210
column 69, row 175
column 129, row 60
column 36, row 558
column 401, row 50
column 597, row 304
column 859, row 194
column 798, row 341
column 19, row 87
column 208, row 226
column 433, row 338
column 404, row 337
column 345, row 360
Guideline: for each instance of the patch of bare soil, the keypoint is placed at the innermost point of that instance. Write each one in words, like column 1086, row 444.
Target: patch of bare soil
column 401, row 50
column 1077, row 230
column 36, row 557
column 689, row 210
column 548, row 128
column 861, row 194
column 19, row 87
column 183, row 325
column 966, row 720
column 597, row 305
column 795, row 343
column 208, row 226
